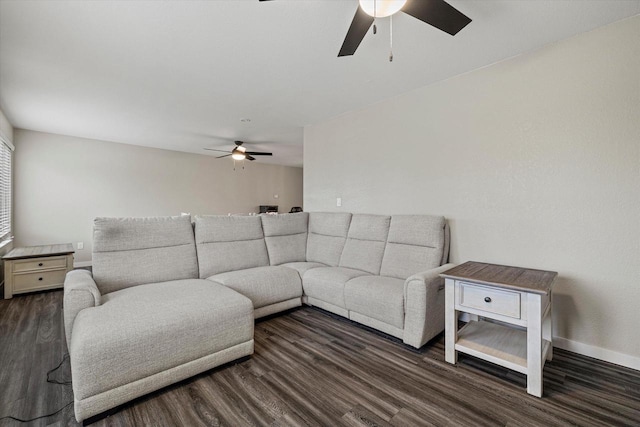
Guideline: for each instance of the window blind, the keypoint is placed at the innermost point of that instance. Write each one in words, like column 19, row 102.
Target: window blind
column 5, row 189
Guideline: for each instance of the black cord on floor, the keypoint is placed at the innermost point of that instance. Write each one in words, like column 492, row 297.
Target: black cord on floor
column 49, row 380
column 9, row 417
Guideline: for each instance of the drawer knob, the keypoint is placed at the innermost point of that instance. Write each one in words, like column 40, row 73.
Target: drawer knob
column 40, row 264
column 487, row 299
column 39, row 278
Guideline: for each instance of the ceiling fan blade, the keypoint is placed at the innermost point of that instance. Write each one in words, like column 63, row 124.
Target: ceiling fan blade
column 250, row 158
column 358, row 29
column 223, row 156
column 257, row 153
column 213, row 149
column 437, row 13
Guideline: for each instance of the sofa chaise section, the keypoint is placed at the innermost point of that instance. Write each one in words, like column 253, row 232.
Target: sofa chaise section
column 146, row 337
column 144, row 320
column 232, row 251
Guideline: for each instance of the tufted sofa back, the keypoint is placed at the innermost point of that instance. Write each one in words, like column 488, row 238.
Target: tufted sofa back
column 364, row 247
column 134, row 251
column 415, row 243
column 229, row 243
column 327, row 236
column 286, row 237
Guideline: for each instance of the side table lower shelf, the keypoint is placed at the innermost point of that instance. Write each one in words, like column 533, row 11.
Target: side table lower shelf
column 495, row 343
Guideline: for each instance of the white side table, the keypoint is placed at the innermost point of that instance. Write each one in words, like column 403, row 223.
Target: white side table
column 519, row 299
column 36, row 268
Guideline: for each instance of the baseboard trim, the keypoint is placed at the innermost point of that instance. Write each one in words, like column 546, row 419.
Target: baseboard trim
column 81, row 264
column 600, row 353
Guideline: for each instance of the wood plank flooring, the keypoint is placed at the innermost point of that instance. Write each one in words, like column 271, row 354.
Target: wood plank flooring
column 312, row 368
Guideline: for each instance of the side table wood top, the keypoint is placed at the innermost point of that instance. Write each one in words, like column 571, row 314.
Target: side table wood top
column 38, row 251
column 502, row 276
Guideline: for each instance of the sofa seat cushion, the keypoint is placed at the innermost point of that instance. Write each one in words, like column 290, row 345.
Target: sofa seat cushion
column 303, row 267
column 327, row 283
column 143, row 330
column 263, row 285
column 378, row 297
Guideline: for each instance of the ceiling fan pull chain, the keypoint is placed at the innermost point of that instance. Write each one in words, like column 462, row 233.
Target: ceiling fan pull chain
column 391, row 38
column 375, row 29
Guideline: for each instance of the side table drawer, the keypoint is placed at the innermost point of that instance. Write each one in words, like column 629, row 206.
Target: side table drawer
column 490, row 300
column 38, row 280
column 39, row 264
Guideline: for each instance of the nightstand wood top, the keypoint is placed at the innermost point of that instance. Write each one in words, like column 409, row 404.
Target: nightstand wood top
column 517, row 278
column 39, row 251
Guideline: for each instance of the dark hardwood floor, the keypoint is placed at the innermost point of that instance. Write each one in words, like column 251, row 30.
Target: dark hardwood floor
column 311, row 368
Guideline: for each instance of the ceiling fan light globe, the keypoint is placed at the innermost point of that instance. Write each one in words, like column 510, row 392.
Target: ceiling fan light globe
column 239, row 153
column 382, row 8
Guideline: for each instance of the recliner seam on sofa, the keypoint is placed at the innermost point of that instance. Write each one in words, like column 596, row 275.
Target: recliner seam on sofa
column 411, row 244
column 285, row 235
column 366, row 240
column 230, row 241
column 327, row 235
column 143, row 249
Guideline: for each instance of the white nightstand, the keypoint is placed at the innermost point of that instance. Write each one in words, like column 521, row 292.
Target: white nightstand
column 519, row 299
column 36, row 268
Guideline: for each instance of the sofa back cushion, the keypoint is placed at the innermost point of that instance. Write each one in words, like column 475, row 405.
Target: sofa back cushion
column 327, row 235
column 229, row 243
column 134, row 251
column 286, row 237
column 415, row 243
column 365, row 243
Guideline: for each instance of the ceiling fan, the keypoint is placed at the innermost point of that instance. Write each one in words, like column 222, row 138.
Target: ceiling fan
column 240, row 153
column 437, row 13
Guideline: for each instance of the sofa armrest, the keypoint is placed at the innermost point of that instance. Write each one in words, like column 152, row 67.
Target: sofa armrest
column 424, row 306
column 80, row 292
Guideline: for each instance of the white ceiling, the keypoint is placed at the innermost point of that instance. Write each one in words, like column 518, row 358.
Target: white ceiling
column 181, row 75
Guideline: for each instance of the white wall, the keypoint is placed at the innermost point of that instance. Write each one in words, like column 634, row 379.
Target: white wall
column 534, row 160
column 5, row 127
column 62, row 183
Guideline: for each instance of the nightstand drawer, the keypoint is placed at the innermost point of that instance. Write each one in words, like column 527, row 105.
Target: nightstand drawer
column 490, row 300
column 34, row 281
column 34, row 264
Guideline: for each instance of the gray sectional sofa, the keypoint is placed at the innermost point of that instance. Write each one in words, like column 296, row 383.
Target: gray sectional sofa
column 144, row 319
column 168, row 299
